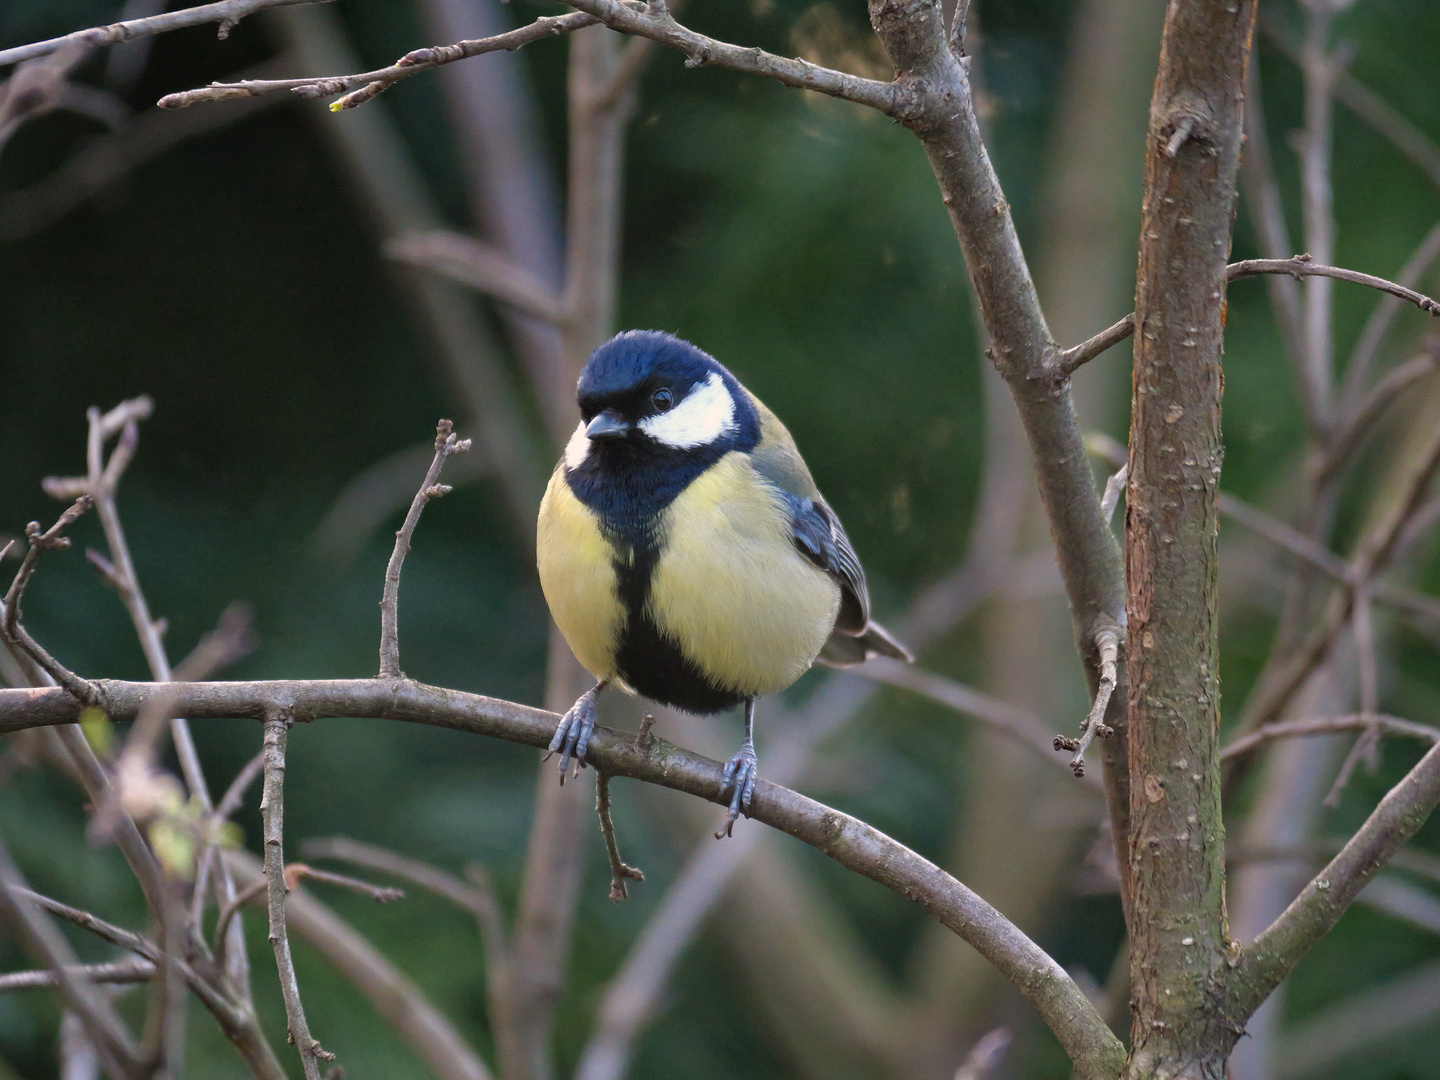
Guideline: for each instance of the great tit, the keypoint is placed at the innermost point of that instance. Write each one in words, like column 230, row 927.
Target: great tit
column 685, row 551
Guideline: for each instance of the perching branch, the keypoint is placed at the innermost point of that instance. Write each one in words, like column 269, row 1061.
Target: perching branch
column 445, row 445
column 852, row 843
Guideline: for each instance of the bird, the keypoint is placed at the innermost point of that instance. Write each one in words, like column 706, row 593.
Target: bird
column 686, row 554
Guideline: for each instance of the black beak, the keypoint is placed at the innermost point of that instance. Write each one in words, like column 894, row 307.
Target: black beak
column 607, row 425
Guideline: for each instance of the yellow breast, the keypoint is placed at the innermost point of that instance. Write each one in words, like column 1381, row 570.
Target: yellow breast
column 577, row 575
column 730, row 588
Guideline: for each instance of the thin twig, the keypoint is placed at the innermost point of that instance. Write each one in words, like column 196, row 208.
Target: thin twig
column 104, row 160
column 1367, row 345
column 1298, row 266
column 478, row 265
column 1107, row 646
column 1282, row 679
column 1353, row 429
column 229, row 911
column 1301, row 266
column 445, row 445
column 619, row 871
column 653, row 21
column 227, row 13
column 1070, row 360
column 121, row 971
column 1330, row 725
column 1114, row 488
column 1318, row 66
column 272, row 810
column 1027, row 729
column 480, row 904
column 381, row 894
column 103, row 1027
column 1267, row 215
column 393, row 997
column 1369, row 107
column 986, row 1055
column 371, row 83
column 13, row 630
column 228, row 804
column 1261, row 965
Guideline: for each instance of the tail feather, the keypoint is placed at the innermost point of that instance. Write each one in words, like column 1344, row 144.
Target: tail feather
column 846, row 650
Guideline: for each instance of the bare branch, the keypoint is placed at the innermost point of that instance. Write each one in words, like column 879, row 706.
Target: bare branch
column 654, row 21
column 11, row 628
column 1267, row 214
column 227, row 13
column 1260, row 966
column 1363, row 416
column 1371, row 108
column 371, row 83
column 1367, row 345
column 1020, row 724
column 447, row 886
column 1107, row 645
column 103, row 1027
column 1330, row 725
column 1374, row 552
column 852, row 843
column 1070, row 360
column 619, row 872
column 381, row 894
column 122, row 971
column 445, row 445
column 1300, row 266
column 396, row 999
column 272, row 809
column 479, row 266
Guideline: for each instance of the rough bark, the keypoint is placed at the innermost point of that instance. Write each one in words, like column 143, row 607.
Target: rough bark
column 1177, row 871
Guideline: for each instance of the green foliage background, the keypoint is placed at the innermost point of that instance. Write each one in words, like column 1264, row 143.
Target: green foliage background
column 235, row 280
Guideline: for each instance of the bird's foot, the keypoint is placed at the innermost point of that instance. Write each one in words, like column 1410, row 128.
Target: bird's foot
column 741, row 772
column 572, row 734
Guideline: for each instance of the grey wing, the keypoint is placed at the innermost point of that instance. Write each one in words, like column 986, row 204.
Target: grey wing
column 821, row 539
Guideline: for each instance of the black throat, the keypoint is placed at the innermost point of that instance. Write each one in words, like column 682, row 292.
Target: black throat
column 629, row 483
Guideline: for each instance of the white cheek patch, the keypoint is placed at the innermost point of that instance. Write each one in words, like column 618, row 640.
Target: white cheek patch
column 706, row 414
column 577, row 448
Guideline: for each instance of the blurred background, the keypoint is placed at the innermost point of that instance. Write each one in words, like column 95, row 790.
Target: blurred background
column 231, row 262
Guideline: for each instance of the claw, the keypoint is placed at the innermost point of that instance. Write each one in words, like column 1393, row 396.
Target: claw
column 741, row 773
column 572, row 734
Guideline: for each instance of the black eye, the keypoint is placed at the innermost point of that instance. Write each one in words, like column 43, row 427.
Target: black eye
column 662, row 400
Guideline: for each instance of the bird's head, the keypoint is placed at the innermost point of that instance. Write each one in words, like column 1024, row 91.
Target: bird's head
column 645, row 392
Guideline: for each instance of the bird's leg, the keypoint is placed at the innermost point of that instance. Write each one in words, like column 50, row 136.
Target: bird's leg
column 741, row 772
column 572, row 734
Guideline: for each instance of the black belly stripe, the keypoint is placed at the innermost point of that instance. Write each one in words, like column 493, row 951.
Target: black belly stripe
column 651, row 663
